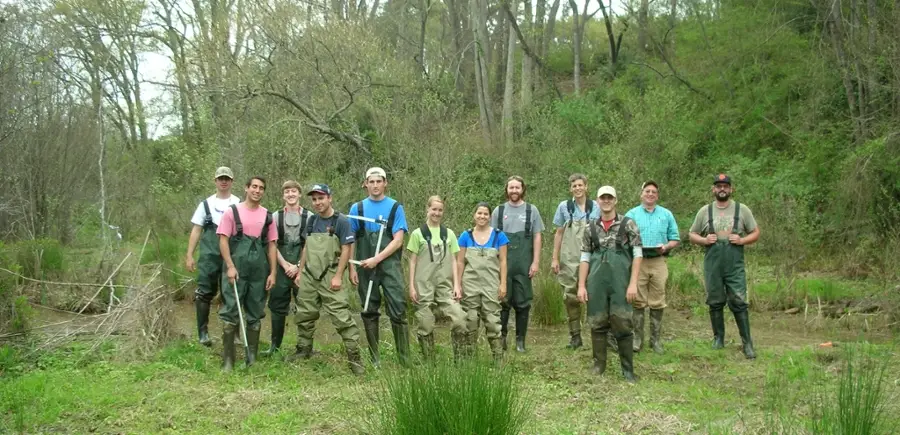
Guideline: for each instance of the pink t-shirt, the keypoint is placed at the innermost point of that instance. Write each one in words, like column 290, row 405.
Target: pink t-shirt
column 252, row 220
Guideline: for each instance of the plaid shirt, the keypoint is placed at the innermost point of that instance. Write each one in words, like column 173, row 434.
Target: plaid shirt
column 657, row 228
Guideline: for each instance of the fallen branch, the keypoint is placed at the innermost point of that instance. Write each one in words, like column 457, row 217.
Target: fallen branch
column 104, row 283
column 74, row 284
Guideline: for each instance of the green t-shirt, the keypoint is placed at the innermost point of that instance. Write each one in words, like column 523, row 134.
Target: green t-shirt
column 417, row 241
column 723, row 220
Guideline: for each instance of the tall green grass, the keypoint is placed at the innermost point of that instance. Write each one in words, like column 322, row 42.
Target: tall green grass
column 857, row 406
column 548, row 305
column 781, row 295
column 446, row 398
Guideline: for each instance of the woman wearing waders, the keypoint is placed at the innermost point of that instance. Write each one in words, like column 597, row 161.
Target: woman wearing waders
column 290, row 222
column 522, row 224
column 482, row 266
column 324, row 259
column 607, row 281
column 571, row 219
column 247, row 241
column 724, row 228
column 433, row 279
column 382, row 269
column 209, row 269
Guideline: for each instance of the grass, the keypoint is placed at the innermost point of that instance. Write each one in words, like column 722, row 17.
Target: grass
column 548, row 304
column 691, row 388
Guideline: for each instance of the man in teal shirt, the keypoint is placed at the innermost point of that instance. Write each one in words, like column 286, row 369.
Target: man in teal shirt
column 659, row 234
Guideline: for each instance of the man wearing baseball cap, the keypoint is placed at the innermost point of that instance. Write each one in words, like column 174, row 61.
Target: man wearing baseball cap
column 384, row 269
column 322, row 263
column 659, row 235
column 724, row 228
column 205, row 221
column 607, row 280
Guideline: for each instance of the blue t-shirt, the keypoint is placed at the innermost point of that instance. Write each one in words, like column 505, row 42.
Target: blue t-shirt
column 466, row 240
column 561, row 217
column 656, row 228
column 378, row 210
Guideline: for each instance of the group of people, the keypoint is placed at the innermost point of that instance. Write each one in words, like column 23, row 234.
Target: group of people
column 613, row 264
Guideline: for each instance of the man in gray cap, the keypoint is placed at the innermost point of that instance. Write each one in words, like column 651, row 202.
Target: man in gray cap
column 206, row 220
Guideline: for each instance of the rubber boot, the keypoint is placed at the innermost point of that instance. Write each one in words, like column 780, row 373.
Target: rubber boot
column 575, row 340
column 743, row 323
column 573, row 312
column 717, row 319
column 277, row 335
column 253, row 343
column 637, row 318
column 228, row 347
column 370, row 324
column 521, row 329
column 599, row 343
column 202, row 309
column 626, row 358
column 611, row 342
column 504, row 327
column 401, row 342
column 302, row 352
column 355, row 361
column 656, row 317
column 426, row 342
column 496, row 349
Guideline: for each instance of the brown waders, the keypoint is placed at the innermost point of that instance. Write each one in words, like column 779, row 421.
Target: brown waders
column 481, row 287
column 569, row 258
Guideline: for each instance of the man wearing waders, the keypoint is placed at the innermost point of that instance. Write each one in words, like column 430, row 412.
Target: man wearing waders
column 523, row 225
column 482, row 264
column 434, row 279
column 247, row 241
column 724, row 228
column 659, row 235
column 209, row 269
column 607, row 280
column 291, row 224
column 384, row 269
column 324, row 259
column 571, row 218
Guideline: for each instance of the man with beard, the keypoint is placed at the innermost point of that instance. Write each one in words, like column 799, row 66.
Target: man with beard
column 247, row 241
column 571, row 219
column 206, row 219
column 607, row 280
column 659, row 235
column 724, row 228
column 291, row 224
column 323, row 262
column 523, row 225
column 384, row 268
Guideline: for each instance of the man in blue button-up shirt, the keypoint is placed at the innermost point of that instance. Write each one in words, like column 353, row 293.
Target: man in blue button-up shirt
column 659, row 233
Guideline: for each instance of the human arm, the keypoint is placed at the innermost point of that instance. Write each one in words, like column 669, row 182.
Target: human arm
column 225, row 250
column 536, row 252
column 300, row 266
column 192, row 245
column 460, row 266
column 557, row 245
column 503, row 251
column 338, row 277
column 413, row 260
column 271, row 254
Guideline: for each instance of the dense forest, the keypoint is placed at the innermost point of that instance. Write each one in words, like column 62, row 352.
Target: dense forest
column 799, row 100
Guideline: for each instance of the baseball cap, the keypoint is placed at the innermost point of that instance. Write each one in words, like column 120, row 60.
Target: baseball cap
column 319, row 188
column 224, row 171
column 722, row 178
column 376, row 172
column 606, row 190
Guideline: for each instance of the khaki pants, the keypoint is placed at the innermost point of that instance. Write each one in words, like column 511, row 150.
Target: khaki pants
column 652, row 284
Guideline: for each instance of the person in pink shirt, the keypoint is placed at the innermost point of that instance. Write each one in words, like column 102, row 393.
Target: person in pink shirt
column 247, row 241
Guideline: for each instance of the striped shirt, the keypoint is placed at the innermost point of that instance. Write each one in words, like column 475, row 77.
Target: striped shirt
column 657, row 227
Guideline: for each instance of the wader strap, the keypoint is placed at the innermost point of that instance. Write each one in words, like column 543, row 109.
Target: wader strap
column 361, row 231
column 426, row 233
column 737, row 216
column 304, row 216
column 710, row 227
column 588, row 208
column 238, row 226
column 595, row 238
column 324, row 272
column 390, row 220
column 527, row 220
column 623, row 233
column 500, row 211
column 207, row 222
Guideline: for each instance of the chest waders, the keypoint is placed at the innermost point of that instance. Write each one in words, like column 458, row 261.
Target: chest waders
column 209, row 275
column 726, row 282
column 284, row 290
column 434, row 288
column 519, row 256
column 323, row 254
column 608, row 308
column 569, row 259
column 249, row 257
column 481, row 288
column 388, row 276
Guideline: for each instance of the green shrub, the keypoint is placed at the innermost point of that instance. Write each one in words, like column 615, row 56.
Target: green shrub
column 858, row 405
column 780, row 295
column 447, row 398
column 548, row 306
column 39, row 257
column 684, row 288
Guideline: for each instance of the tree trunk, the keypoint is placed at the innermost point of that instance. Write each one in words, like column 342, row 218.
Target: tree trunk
column 527, row 63
column 613, row 48
column 486, row 111
column 424, row 6
column 673, row 15
column 551, row 26
column 837, row 40
column 508, row 85
column 501, row 62
column 642, row 25
column 576, row 47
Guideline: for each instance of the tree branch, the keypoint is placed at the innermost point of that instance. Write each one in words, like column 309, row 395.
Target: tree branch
column 662, row 53
column 549, row 73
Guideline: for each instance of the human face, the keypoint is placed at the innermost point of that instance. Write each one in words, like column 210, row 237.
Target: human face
column 607, row 203
column 650, row 195
column 321, row 202
column 482, row 216
column 578, row 188
column 255, row 190
column 375, row 186
column 435, row 212
column 223, row 184
column 514, row 191
column 722, row 191
column 291, row 196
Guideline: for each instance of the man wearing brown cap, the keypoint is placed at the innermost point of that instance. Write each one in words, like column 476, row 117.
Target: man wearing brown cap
column 206, row 220
column 724, row 228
